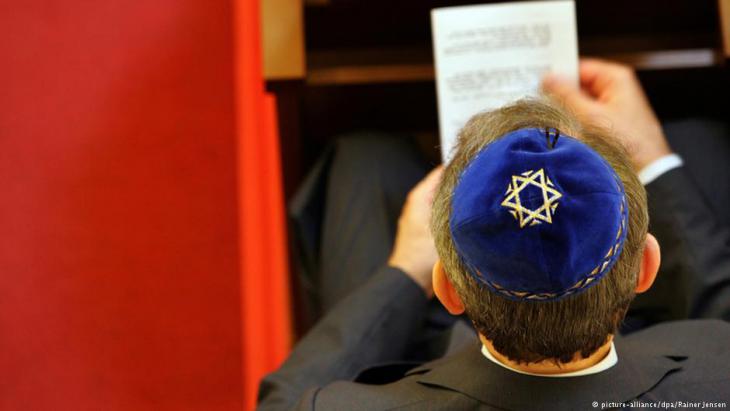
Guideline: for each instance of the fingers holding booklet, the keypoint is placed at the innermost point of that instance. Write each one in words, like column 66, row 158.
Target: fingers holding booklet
column 611, row 96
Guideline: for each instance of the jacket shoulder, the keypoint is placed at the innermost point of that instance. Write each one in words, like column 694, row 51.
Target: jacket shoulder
column 690, row 336
column 701, row 349
column 404, row 394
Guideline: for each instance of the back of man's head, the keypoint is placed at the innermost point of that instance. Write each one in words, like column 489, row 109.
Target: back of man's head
column 523, row 324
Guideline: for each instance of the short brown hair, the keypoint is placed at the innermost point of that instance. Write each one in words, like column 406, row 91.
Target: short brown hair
column 533, row 331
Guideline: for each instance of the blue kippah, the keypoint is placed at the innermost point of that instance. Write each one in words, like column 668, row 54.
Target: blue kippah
column 538, row 216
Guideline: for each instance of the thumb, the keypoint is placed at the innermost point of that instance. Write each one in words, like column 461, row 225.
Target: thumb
column 565, row 91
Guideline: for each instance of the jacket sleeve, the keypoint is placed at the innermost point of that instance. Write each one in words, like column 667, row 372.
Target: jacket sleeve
column 695, row 248
column 371, row 326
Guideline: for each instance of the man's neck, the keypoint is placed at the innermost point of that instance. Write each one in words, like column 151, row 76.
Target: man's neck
column 551, row 366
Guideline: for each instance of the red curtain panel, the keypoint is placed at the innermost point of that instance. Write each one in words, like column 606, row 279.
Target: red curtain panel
column 264, row 286
column 122, row 215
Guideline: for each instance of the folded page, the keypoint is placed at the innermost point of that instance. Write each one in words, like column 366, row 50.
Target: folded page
column 490, row 55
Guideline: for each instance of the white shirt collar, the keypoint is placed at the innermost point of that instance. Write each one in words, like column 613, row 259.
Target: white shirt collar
column 607, row 362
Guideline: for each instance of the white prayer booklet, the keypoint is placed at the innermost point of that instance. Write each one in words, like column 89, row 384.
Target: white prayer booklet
column 490, row 55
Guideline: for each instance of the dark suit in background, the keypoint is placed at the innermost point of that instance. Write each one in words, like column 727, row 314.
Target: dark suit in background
column 365, row 352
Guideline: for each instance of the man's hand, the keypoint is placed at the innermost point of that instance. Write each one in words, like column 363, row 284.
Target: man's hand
column 414, row 251
column 610, row 95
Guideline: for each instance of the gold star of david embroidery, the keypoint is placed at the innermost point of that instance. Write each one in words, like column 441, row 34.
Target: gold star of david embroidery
column 550, row 196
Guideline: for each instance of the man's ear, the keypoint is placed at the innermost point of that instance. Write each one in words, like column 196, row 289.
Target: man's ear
column 650, row 261
column 445, row 292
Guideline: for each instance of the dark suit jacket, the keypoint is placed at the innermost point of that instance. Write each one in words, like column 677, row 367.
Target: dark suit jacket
column 352, row 359
column 695, row 249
